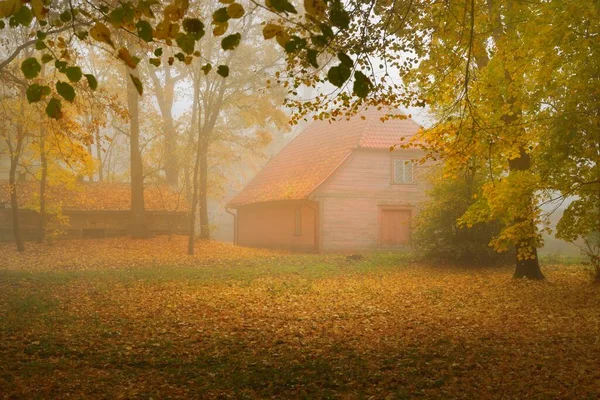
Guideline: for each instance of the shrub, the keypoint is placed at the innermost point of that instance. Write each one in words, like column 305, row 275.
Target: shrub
column 438, row 237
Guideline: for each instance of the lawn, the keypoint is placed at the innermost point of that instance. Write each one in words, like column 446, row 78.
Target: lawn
column 140, row 319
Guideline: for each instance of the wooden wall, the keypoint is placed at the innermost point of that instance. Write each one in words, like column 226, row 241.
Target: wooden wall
column 272, row 225
column 352, row 199
column 94, row 224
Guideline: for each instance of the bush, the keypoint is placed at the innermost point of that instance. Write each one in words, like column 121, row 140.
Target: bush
column 438, row 237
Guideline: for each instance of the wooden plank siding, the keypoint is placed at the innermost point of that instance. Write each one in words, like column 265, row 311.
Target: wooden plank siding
column 351, row 200
column 273, row 225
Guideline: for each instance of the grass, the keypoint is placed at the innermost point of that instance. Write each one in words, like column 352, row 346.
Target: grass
column 110, row 319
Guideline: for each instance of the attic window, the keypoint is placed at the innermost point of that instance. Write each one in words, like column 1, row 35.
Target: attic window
column 403, row 171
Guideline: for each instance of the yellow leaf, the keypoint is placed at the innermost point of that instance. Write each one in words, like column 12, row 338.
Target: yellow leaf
column 282, row 38
column 235, row 10
column 38, row 9
column 316, row 8
column 9, row 7
column 127, row 58
column 101, row 33
column 220, row 29
column 270, row 30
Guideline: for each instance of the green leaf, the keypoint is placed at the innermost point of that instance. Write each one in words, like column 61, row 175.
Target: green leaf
column 31, row 68
column 206, row 68
column 40, row 45
column 231, row 42
column 220, row 16
column 74, row 74
column 326, row 29
column 60, row 65
column 180, row 56
column 318, row 40
column 294, row 44
column 82, row 35
column 137, row 83
column 338, row 16
column 186, row 43
column 41, row 35
column 223, row 70
column 144, row 30
column 155, row 61
column 2, row 24
column 46, row 58
column 193, row 27
column 66, row 91
column 158, row 52
column 53, row 109
column 24, row 16
column 312, row 57
column 92, row 82
column 34, row 93
column 66, row 16
column 283, row 6
column 338, row 75
column 345, row 59
column 122, row 15
column 362, row 85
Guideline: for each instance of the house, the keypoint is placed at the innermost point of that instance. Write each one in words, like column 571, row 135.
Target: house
column 92, row 209
column 335, row 187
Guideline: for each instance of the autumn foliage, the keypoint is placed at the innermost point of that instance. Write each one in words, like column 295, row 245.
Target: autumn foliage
column 124, row 319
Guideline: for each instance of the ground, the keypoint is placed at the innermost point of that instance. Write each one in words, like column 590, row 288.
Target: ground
column 122, row 318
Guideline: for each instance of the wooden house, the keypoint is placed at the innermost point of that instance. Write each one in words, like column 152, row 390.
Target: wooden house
column 92, row 209
column 335, row 187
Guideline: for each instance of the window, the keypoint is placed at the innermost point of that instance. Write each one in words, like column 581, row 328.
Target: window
column 297, row 223
column 403, row 171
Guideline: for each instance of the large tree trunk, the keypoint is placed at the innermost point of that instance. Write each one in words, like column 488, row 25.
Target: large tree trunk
column 525, row 267
column 138, row 223
column 530, row 267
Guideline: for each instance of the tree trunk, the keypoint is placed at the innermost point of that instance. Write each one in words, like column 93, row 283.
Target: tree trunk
column 165, row 96
column 14, row 203
column 171, row 165
column 138, row 223
column 203, row 203
column 43, row 182
column 194, row 202
column 530, row 267
column 99, row 157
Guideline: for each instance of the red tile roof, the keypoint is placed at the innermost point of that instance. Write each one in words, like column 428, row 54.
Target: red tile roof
column 95, row 196
column 315, row 153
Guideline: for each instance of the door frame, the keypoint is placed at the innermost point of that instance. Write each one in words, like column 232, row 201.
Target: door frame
column 387, row 207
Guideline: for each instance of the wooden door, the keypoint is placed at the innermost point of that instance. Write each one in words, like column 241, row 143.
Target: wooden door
column 394, row 227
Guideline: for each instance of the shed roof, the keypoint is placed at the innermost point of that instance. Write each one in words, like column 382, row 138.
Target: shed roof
column 96, row 196
column 310, row 158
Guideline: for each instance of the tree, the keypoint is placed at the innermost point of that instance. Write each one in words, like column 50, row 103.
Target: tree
column 484, row 74
column 164, row 90
column 15, row 134
column 138, row 224
column 236, row 110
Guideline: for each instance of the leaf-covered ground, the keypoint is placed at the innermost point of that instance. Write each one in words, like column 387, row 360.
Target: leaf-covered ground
column 140, row 319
